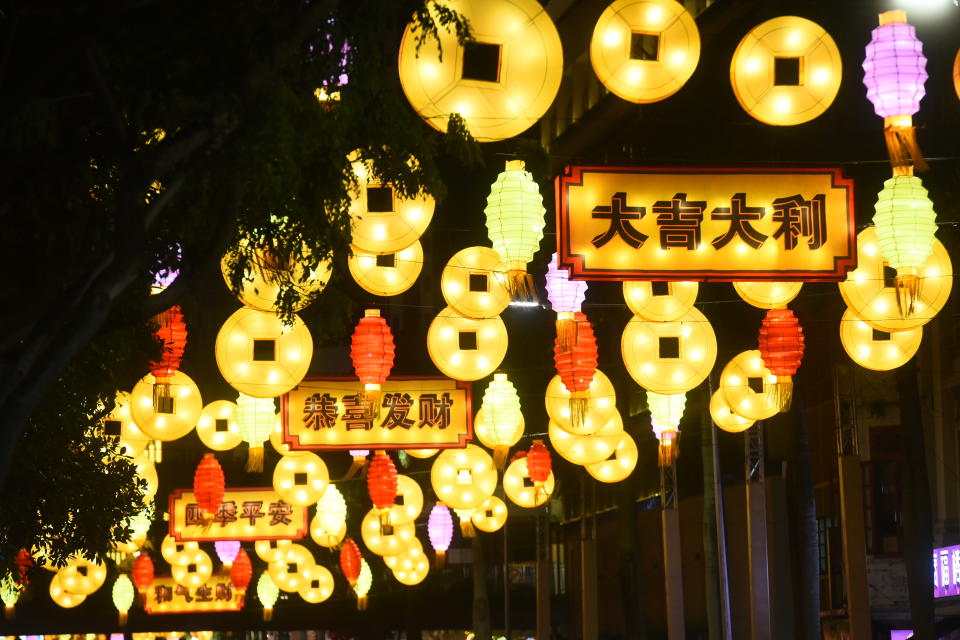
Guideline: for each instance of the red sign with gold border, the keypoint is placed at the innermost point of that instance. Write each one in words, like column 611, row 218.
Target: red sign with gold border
column 245, row 514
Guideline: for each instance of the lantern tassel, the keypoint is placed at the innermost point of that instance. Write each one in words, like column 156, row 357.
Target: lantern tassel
column 255, row 460
column 441, row 559
column 142, row 599
column 370, row 397
column 500, row 453
column 122, row 618
column 361, row 603
column 356, row 467
column 782, row 393
column 467, row 529
column 9, row 613
column 902, row 147
column 566, row 331
column 519, row 285
column 267, row 614
column 669, row 449
column 908, row 290
column 579, row 403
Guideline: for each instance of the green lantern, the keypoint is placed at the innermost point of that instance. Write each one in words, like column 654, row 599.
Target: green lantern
column 267, row 593
column 665, row 414
column 255, row 417
column 515, row 225
column 906, row 224
column 123, row 594
column 10, row 592
column 502, row 423
column 364, row 582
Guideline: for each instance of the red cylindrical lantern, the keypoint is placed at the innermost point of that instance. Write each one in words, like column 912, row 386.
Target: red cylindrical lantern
column 350, row 560
column 171, row 333
column 241, row 572
column 24, row 563
column 576, row 362
column 208, row 486
column 372, row 350
column 781, row 347
column 538, row 463
column 382, row 484
column 142, row 575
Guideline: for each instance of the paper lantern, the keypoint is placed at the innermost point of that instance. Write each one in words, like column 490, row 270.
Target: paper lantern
column 382, row 484
column 406, row 560
column 319, row 584
column 171, row 333
column 520, row 488
column 499, row 438
column 495, row 103
column 350, row 560
column 669, row 357
column 422, row 454
column 490, row 516
column 601, row 402
column 62, row 597
column 466, row 348
column 905, row 223
column 241, row 572
column 195, row 571
column 122, row 594
column 538, row 462
column 276, row 439
column 331, row 513
column 576, row 364
column 330, row 539
column 781, row 347
column 566, row 297
column 227, row 551
column 385, row 541
column 139, row 526
column 466, row 523
column 666, row 411
column 175, row 552
column 259, row 356
column 382, row 221
column 270, row 550
column 142, row 572
column 169, row 417
column 790, row 98
column 619, row 465
column 473, row 283
column 501, row 418
column 372, row 352
column 586, row 449
column 217, row 426
column 146, row 471
column 10, row 591
column 131, row 441
column 412, row 568
column 747, row 387
column 767, row 295
column 463, row 478
column 660, row 301
column 956, row 73
column 301, row 480
column 874, row 349
column 515, row 225
column 255, row 417
column 364, row 582
column 873, row 298
column 260, row 286
column 208, row 486
column 267, row 594
column 82, row 575
column 408, row 502
column 440, row 531
column 724, row 417
column 387, row 274
column 24, row 563
column 286, row 568
column 659, row 69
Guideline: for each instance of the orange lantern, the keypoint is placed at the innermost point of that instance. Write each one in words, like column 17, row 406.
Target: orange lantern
column 781, row 349
column 142, row 573
column 241, row 572
column 350, row 560
column 372, row 353
column 171, row 333
column 208, row 486
column 576, row 363
column 382, row 484
column 539, row 464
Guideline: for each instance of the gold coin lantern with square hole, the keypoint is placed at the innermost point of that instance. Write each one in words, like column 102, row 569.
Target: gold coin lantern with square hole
column 259, row 356
column 270, row 550
column 875, row 349
column 659, row 301
column 412, row 569
column 748, row 387
column 177, row 552
column 62, row 597
column 501, row 82
column 409, row 501
column 669, row 357
column 724, row 417
column 521, row 490
column 195, row 571
column 645, row 50
column 619, row 465
column 166, row 417
column 422, row 454
column 490, row 516
column 82, row 575
column 382, row 221
column 587, row 449
column 601, row 403
column 146, row 470
column 767, row 295
column 286, row 569
column 463, row 478
column 319, row 583
column 119, row 423
column 217, row 426
column 465, row 348
column 473, row 283
column 386, row 274
column 301, row 479
column 408, row 558
column 276, row 439
column 871, row 296
column 386, row 540
column 260, row 287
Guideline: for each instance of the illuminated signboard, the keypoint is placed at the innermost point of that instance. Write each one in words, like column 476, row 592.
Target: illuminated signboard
column 705, row 224
column 245, row 514
column 166, row 596
column 946, row 572
column 415, row 413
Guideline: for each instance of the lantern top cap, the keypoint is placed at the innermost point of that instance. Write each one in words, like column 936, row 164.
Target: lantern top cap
column 371, row 313
column 208, row 455
column 890, row 17
column 499, row 376
column 515, row 165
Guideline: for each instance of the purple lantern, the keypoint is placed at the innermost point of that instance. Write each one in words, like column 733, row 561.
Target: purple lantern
column 227, row 551
column 565, row 295
column 895, row 68
column 440, row 531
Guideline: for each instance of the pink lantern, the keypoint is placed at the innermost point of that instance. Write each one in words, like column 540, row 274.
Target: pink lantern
column 566, row 297
column 227, row 551
column 440, row 531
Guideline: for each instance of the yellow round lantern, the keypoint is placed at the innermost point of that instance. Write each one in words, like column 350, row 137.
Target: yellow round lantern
column 463, row 478
column 301, row 479
column 385, row 541
column 260, row 288
column 495, row 102
column 724, row 417
column 139, row 526
column 325, row 537
column 660, row 301
column 466, row 348
column 587, row 449
column 767, row 295
column 669, row 55
column 422, row 454
column 82, row 575
column 669, row 357
column 286, row 569
column 619, row 465
column 387, row 274
column 409, row 502
column 318, row 583
column 62, row 597
column 217, row 426
column 869, row 297
column 521, row 490
column 408, row 558
column 276, row 439
column 473, row 283
column 271, row 550
column 195, row 571
column 119, row 423
column 490, row 516
column 874, row 349
column 381, row 220
column 601, row 403
column 418, row 571
column 175, row 552
column 146, row 470
column 167, row 418
column 809, row 80
column 748, row 387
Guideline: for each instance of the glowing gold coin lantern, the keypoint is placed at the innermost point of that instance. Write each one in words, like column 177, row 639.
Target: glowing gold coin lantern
column 119, row 423
column 195, row 572
column 382, row 221
column 271, row 550
column 587, row 449
column 139, row 526
column 146, row 470
column 408, row 503
column 521, row 489
column 724, row 417
column 871, row 296
column 62, row 597
column 286, row 569
column 669, row 357
column 807, row 85
column 422, row 454
column 619, row 465
column 301, row 480
column 670, row 52
column 660, row 301
column 82, row 575
column 276, row 438
column 390, row 540
column 260, row 286
column 175, row 552
column 463, row 478
column 874, row 349
column 217, row 426
column 490, row 516
column 259, row 356
column 318, row 583
column 767, row 295
column 748, row 387
column 168, row 417
column 601, row 403
column 466, row 348
column 496, row 102
column 386, row 274
column 418, row 571
column 472, row 283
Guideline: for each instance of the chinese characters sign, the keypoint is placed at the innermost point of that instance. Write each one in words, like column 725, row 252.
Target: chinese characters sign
column 244, row 514
column 166, row 596
column 413, row 414
column 946, row 572
column 706, row 224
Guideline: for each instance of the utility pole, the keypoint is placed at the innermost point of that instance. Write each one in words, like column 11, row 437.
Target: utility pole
column 544, row 577
column 672, row 557
column 589, row 626
column 757, row 532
